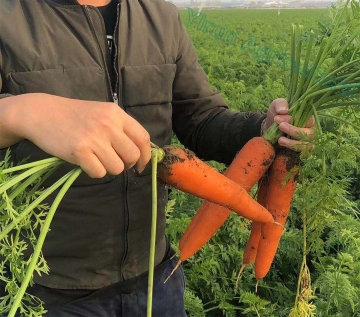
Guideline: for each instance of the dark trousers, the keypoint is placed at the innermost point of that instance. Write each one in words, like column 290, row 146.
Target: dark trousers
column 168, row 300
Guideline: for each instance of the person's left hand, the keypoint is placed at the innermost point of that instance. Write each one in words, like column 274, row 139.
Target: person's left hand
column 278, row 112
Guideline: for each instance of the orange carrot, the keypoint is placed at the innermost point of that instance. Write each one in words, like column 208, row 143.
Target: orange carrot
column 242, row 170
column 183, row 170
column 246, row 169
column 253, row 242
column 279, row 200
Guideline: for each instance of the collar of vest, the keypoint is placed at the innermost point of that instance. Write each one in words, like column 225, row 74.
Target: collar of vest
column 72, row 2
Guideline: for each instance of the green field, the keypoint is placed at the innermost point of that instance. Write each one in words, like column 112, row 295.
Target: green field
column 230, row 67
column 327, row 197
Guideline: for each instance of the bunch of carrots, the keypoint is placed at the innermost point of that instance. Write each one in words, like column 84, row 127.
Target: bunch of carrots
column 221, row 195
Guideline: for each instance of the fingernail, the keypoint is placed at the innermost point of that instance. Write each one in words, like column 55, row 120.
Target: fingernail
column 140, row 169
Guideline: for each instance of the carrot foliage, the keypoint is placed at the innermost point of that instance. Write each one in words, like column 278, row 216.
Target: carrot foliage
column 25, row 221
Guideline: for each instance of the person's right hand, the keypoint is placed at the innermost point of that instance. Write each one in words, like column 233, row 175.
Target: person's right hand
column 98, row 136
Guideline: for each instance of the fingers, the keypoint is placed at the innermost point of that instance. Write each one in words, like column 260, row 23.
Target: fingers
column 282, row 118
column 114, row 143
column 278, row 113
column 141, row 139
column 129, row 146
column 292, row 131
column 295, row 145
column 281, row 106
column 92, row 166
column 126, row 150
column 109, row 158
column 311, row 122
column 278, row 108
column 296, row 134
column 118, row 156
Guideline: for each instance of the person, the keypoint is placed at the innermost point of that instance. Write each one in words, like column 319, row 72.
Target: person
column 92, row 82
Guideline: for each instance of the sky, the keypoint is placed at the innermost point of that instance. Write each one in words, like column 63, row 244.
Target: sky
column 182, row 1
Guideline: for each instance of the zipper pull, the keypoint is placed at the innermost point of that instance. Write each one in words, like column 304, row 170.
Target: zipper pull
column 115, row 97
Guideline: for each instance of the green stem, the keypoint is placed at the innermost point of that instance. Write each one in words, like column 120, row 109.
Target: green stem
column 320, row 102
column 30, row 270
column 303, row 264
column 296, row 76
column 299, row 108
column 29, row 165
column 345, row 80
column 28, row 182
column 154, row 161
column 292, row 60
column 305, row 66
column 344, row 47
column 338, row 104
column 317, row 120
column 354, row 53
column 273, row 134
column 311, row 76
column 341, row 120
column 24, row 175
column 44, row 178
column 212, row 308
column 331, row 40
column 336, row 88
column 18, row 190
column 34, row 204
column 324, row 79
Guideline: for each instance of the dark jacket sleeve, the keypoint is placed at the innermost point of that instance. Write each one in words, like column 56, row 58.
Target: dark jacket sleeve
column 2, row 94
column 201, row 118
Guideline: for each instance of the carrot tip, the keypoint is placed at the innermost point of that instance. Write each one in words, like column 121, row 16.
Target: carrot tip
column 239, row 275
column 256, row 286
column 279, row 224
column 174, row 256
column 172, row 272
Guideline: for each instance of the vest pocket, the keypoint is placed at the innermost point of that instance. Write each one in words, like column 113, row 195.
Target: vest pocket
column 85, row 83
column 148, row 84
column 147, row 96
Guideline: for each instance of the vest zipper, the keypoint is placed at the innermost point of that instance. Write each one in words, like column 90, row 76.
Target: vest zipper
column 115, row 97
column 102, row 54
column 116, row 59
column 125, row 173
